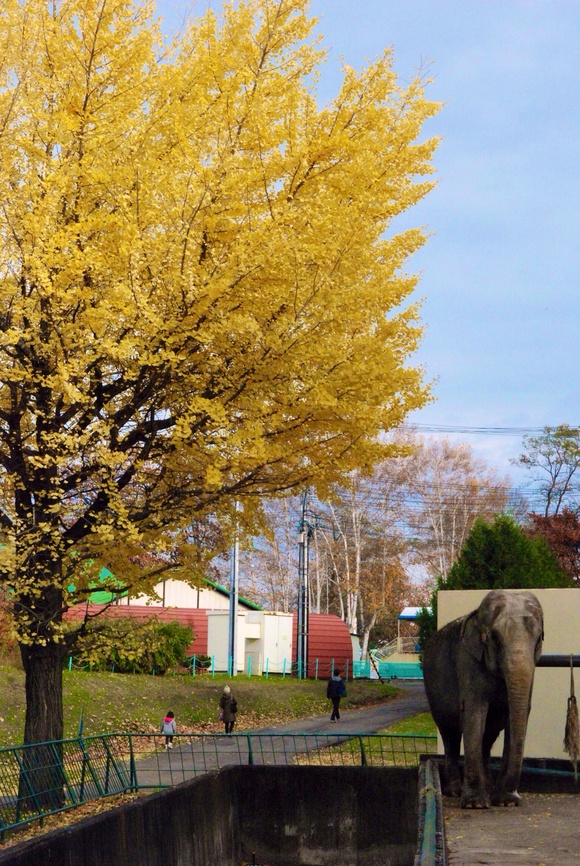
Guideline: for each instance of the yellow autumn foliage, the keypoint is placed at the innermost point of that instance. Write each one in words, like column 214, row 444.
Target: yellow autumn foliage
column 201, row 299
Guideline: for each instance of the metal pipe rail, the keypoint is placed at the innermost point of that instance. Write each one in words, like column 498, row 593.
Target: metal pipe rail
column 558, row 661
column 431, row 848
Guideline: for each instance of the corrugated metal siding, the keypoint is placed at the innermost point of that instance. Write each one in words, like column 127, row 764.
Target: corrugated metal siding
column 328, row 640
column 196, row 618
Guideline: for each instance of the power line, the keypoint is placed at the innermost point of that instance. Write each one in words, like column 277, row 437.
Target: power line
column 484, row 431
column 445, row 496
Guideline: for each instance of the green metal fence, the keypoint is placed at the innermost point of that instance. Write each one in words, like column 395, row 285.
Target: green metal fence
column 45, row 778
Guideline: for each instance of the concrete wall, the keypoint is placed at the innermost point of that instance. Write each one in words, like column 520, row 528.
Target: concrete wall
column 288, row 816
column 551, row 685
column 324, row 816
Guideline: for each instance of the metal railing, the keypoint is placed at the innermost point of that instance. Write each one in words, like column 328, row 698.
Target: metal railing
column 398, row 645
column 42, row 779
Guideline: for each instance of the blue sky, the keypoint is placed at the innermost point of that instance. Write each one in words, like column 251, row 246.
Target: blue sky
column 499, row 274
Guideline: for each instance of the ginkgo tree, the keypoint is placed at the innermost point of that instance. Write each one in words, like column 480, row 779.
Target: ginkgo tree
column 200, row 301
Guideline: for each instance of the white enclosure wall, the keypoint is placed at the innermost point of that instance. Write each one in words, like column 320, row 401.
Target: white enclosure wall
column 278, row 642
column 254, row 643
column 218, row 623
column 551, row 685
column 268, row 642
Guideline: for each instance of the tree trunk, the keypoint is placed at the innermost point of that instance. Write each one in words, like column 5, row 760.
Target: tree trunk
column 38, row 618
column 366, row 635
column 42, row 776
column 44, row 712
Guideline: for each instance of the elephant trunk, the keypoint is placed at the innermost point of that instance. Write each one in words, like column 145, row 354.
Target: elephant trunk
column 519, row 680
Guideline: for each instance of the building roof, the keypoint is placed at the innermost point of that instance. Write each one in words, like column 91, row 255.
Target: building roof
column 245, row 602
column 103, row 596
column 411, row 612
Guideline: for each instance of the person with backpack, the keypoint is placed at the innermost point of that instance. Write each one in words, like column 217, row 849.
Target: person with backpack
column 335, row 690
column 228, row 709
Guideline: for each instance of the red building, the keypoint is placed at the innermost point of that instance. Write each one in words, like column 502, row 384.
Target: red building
column 329, row 641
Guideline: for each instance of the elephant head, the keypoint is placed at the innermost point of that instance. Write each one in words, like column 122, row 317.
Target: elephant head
column 505, row 633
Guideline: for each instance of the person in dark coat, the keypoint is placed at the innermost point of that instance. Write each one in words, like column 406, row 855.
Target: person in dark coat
column 228, row 709
column 335, row 690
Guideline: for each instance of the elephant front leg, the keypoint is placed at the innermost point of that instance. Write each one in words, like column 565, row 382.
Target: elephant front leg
column 475, row 793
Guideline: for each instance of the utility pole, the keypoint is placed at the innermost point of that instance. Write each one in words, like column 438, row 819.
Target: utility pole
column 305, row 530
column 233, row 618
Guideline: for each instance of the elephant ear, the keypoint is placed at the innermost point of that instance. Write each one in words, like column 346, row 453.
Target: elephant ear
column 473, row 636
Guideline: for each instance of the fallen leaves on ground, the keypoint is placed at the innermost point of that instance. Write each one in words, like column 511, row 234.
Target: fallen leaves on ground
column 69, row 816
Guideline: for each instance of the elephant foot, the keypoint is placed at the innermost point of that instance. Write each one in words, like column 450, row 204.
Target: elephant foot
column 453, row 788
column 472, row 799
column 508, row 798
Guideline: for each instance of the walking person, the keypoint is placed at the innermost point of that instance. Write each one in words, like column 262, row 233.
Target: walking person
column 335, row 690
column 169, row 729
column 228, row 709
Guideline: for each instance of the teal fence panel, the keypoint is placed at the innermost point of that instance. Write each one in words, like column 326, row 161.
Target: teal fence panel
column 400, row 670
column 361, row 669
column 44, row 778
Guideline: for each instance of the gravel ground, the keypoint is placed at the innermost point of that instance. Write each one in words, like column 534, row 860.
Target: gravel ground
column 543, row 831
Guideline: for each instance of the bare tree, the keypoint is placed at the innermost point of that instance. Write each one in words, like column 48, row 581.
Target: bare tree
column 269, row 570
column 366, row 546
column 554, row 459
column 446, row 489
column 377, row 535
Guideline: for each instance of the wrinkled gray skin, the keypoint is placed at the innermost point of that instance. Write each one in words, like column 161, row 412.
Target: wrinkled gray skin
column 479, row 673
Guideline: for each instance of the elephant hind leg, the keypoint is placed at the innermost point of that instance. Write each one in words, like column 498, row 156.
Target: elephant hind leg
column 475, row 793
column 452, row 745
column 474, row 798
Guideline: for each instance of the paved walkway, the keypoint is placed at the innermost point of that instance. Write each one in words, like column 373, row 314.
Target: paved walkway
column 195, row 755
column 409, row 702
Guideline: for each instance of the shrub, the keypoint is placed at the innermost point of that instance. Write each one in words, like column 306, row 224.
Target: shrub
column 134, row 646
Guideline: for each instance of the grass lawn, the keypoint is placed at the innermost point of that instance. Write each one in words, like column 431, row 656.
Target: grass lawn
column 420, row 725
column 137, row 702
column 406, row 741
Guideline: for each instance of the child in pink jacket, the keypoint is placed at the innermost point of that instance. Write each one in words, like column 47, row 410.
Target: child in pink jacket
column 168, row 728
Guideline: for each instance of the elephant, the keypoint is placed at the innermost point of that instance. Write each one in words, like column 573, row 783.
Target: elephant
column 479, row 673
